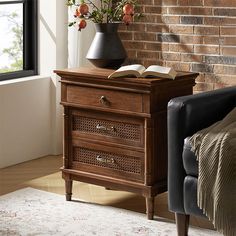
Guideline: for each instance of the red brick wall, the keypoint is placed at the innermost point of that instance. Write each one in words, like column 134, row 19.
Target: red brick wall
column 189, row 35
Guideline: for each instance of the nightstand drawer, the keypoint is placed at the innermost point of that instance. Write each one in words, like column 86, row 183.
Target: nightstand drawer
column 109, row 128
column 107, row 161
column 104, row 98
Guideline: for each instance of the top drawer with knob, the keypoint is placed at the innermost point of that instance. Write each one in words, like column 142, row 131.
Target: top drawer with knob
column 103, row 98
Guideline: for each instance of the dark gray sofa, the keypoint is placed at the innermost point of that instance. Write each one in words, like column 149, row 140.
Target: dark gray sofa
column 187, row 115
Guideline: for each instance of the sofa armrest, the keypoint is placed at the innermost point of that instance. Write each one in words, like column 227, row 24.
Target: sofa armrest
column 187, row 115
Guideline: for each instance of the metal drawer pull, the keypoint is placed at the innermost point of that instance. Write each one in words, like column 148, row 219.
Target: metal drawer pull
column 104, row 128
column 105, row 160
column 103, row 100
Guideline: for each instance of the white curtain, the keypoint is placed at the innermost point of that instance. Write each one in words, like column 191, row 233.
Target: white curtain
column 79, row 43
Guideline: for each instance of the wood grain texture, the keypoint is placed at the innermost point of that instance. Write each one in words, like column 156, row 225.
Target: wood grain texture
column 133, row 159
column 182, row 222
column 104, row 98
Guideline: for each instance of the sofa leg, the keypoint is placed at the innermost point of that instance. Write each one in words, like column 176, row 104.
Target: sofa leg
column 182, row 222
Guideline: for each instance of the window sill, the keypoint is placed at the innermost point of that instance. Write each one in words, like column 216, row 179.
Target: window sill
column 24, row 79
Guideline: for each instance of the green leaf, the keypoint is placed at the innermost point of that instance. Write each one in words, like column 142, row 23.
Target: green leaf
column 71, row 23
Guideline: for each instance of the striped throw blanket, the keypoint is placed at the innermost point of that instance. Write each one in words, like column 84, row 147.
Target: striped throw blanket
column 215, row 148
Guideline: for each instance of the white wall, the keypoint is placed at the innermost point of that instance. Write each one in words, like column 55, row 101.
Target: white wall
column 53, row 29
column 30, row 114
column 79, row 43
column 24, row 121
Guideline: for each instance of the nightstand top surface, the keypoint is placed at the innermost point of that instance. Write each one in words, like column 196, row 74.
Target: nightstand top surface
column 100, row 73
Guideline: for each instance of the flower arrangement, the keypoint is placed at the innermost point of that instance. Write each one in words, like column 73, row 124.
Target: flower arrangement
column 106, row 12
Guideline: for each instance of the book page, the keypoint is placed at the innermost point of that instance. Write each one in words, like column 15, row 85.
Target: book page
column 134, row 67
column 159, row 71
column 135, row 70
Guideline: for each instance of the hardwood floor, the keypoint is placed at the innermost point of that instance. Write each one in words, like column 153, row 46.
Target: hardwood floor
column 44, row 174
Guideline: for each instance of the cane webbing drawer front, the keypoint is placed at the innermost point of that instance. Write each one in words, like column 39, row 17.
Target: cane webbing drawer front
column 109, row 128
column 108, row 163
column 104, row 98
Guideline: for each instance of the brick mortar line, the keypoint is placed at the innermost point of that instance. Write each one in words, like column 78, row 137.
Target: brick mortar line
column 172, row 43
column 206, row 16
column 169, row 52
column 187, row 34
column 193, row 6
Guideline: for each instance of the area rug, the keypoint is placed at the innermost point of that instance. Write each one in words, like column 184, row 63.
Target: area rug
column 31, row 212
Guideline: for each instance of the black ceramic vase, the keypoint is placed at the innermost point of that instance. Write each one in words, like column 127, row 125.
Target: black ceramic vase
column 106, row 50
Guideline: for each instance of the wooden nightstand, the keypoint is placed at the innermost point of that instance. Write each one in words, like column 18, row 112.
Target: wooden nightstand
column 115, row 131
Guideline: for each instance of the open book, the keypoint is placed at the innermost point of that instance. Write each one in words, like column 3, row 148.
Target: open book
column 140, row 71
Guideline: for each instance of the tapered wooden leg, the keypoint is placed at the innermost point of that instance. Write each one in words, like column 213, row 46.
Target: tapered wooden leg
column 150, row 207
column 182, row 222
column 68, row 185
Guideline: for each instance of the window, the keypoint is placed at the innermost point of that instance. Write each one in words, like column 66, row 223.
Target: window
column 18, row 40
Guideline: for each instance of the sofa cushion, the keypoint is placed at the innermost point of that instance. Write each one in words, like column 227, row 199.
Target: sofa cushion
column 189, row 159
column 190, row 197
